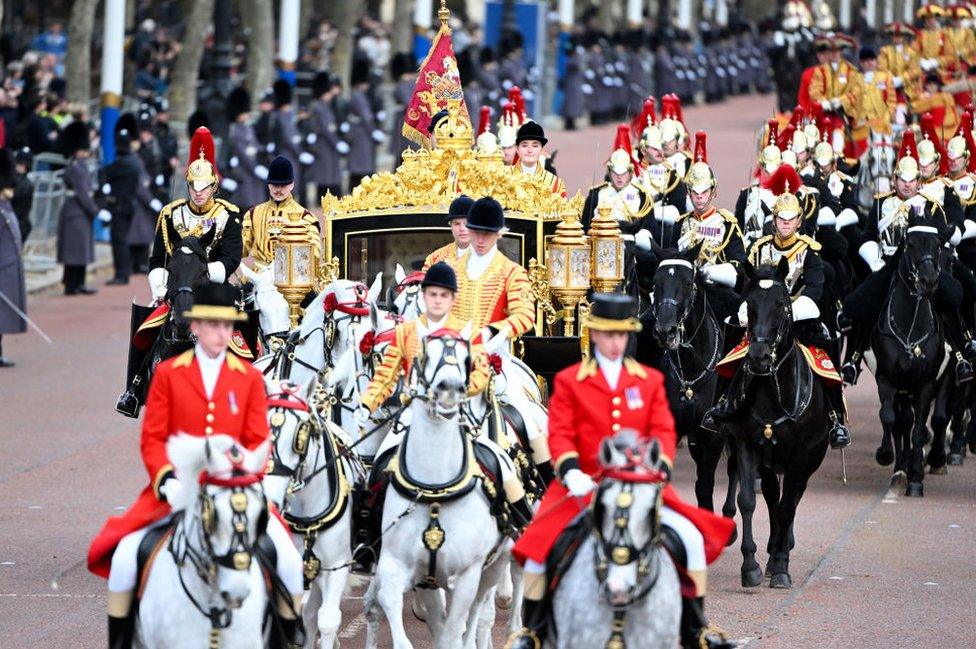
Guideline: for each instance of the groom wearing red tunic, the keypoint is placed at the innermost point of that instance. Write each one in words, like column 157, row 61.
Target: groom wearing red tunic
column 591, row 401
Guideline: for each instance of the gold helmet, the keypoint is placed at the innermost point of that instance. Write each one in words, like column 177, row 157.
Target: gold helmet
column 652, row 138
column 787, row 207
column 622, row 158
column 201, row 172
column 812, row 134
column 700, row 177
column 906, row 168
column 799, row 142
column 956, row 148
column 770, row 158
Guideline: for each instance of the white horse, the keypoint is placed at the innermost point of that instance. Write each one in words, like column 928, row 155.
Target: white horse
column 406, row 295
column 619, row 573
column 312, row 484
column 206, row 590
column 459, row 533
column 877, row 163
column 272, row 306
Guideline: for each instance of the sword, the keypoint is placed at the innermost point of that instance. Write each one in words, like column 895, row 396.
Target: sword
column 843, row 464
column 25, row 317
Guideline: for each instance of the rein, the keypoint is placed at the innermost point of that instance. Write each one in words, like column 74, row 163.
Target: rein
column 913, row 348
column 673, row 357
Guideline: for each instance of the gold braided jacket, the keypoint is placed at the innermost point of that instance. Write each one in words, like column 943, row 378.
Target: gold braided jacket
column 877, row 106
column 444, row 253
column 844, row 83
column 403, row 351
column 263, row 225
column 501, row 297
column 541, row 175
column 901, row 63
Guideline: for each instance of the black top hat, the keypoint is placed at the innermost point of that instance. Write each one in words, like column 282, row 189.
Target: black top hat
column 238, row 103
column 213, row 301
column 438, row 117
column 531, row 131
column 613, row 312
column 486, row 214
column 442, row 275
column 280, row 171
column 460, row 207
column 23, row 155
column 401, row 64
column 868, row 54
column 322, row 83
column 282, row 93
column 74, row 138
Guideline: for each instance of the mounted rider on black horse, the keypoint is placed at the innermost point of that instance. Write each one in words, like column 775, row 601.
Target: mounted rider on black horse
column 206, row 232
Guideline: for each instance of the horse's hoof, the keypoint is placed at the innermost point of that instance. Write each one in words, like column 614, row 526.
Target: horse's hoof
column 884, row 456
column 955, row 459
column 899, row 479
column 938, row 470
column 914, row 490
column 781, row 580
column 752, row 578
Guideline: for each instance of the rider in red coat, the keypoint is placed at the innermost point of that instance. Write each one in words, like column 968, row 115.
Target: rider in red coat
column 201, row 392
column 591, row 401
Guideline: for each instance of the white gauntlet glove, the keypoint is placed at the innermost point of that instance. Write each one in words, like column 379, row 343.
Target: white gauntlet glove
column 174, row 492
column 342, row 148
column 261, row 172
column 104, row 216
column 217, row 272
column 578, row 483
column 156, row 205
column 158, row 277
column 643, row 239
column 720, row 274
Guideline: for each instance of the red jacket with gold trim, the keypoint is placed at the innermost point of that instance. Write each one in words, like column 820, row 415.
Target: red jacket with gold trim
column 177, row 403
column 501, row 297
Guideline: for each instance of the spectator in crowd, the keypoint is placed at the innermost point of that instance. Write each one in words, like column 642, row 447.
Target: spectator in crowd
column 12, row 283
column 23, row 196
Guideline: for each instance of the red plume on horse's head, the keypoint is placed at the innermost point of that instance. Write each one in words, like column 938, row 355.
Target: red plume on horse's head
column 785, row 179
column 772, row 131
column 646, row 117
column 485, row 119
column 515, row 98
column 701, row 147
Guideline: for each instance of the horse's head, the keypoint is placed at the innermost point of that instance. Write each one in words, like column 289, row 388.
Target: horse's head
column 442, row 369
column 292, row 428
column 921, row 252
column 224, row 508
column 187, row 267
column 405, row 295
column 343, row 304
column 271, row 304
column 626, row 518
column 770, row 315
column 674, row 294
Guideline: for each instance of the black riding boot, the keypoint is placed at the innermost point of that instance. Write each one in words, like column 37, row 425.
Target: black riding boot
column 533, row 633
column 520, row 512
column 857, row 341
column 840, row 435
column 120, row 632
column 695, row 631
column 962, row 344
column 731, row 404
column 546, row 474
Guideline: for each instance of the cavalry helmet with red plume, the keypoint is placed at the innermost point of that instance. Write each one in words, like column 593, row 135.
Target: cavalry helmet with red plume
column 201, row 169
column 784, row 180
column 700, row 177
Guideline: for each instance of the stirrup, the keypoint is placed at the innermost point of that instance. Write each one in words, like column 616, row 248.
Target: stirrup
column 128, row 405
column 840, row 436
column 850, row 372
column 964, row 371
column 524, row 639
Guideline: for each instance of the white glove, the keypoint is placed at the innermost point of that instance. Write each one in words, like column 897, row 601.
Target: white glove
column 826, row 217
column 311, row 138
column 379, row 136
column 306, row 158
column 160, row 180
column 898, row 82
column 805, row 309
column 270, row 147
column 825, row 104
column 106, row 189
column 929, row 64
column 666, row 214
column 589, row 74
column 578, row 483
column 870, row 252
column 234, row 162
column 342, row 148
column 344, row 127
column 586, row 88
column 228, row 184
column 174, row 492
column 743, row 314
column 381, row 115
column 835, row 103
column 295, row 139
column 642, row 239
column 217, row 272
column 956, row 237
column 362, row 416
column 158, row 277
column 261, row 172
column 846, row 217
column 496, row 344
column 970, row 231
column 104, row 216
column 155, row 204
column 721, row 274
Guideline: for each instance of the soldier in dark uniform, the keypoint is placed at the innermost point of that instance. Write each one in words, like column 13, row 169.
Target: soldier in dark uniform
column 145, row 207
column 152, row 153
column 572, row 86
column 168, row 146
column 491, row 85
column 75, row 245
column 246, row 175
column 328, row 146
column 403, row 70
column 285, row 133
column 262, row 127
column 23, row 197
column 120, row 181
column 364, row 133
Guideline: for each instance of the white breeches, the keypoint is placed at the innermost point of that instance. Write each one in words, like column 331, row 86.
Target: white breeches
column 690, row 537
column 122, row 576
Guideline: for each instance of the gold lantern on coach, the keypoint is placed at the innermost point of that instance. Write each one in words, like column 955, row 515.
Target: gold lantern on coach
column 295, row 266
column 569, row 267
column 606, row 252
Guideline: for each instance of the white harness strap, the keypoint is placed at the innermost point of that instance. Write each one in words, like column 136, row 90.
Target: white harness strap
column 676, row 262
column 925, row 229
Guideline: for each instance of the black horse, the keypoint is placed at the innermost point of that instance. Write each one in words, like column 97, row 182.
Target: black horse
column 684, row 329
column 785, row 430
column 187, row 267
column 909, row 347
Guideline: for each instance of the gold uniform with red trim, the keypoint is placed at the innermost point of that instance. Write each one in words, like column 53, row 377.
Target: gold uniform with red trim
column 444, row 253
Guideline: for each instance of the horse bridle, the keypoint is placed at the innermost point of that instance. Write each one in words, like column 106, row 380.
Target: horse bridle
column 450, row 340
column 908, row 345
column 353, row 310
column 690, row 304
column 775, row 341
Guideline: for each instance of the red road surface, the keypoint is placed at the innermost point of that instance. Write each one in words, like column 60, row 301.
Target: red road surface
column 870, row 570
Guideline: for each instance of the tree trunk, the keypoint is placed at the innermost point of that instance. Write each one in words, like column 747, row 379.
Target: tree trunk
column 606, row 18
column 344, row 15
column 78, row 66
column 130, row 14
column 186, row 72
column 259, row 18
column 402, row 33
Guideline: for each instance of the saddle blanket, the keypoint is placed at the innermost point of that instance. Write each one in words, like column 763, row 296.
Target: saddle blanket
column 149, row 329
column 816, row 358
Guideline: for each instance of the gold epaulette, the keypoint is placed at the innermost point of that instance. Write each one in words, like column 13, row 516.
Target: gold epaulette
column 756, row 245
column 810, row 241
column 883, row 195
column 727, row 215
column 184, row 359
column 230, row 207
column 599, row 187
